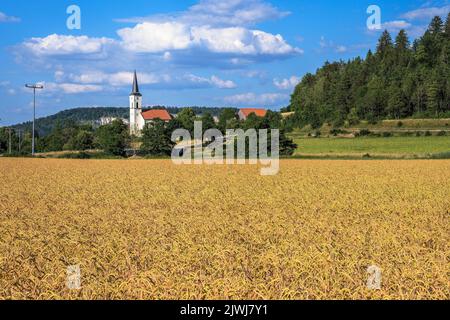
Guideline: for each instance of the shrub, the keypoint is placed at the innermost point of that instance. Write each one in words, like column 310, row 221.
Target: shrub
column 441, row 133
column 428, row 134
column 387, row 134
column 399, row 124
column 364, row 132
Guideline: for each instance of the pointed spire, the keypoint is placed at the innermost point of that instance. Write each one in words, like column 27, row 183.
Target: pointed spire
column 135, row 86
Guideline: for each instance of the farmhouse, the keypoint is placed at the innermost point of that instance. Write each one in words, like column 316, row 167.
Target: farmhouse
column 139, row 118
column 243, row 114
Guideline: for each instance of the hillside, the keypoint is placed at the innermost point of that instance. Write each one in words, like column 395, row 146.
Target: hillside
column 399, row 80
column 90, row 115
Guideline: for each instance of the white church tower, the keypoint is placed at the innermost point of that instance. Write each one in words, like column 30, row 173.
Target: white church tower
column 136, row 120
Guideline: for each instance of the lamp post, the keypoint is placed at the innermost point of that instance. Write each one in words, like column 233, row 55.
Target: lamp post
column 34, row 87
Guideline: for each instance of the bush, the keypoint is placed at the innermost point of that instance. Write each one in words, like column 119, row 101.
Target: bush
column 418, row 134
column 399, row 124
column 387, row 134
column 78, row 155
column 441, row 133
column 428, row 134
column 364, row 133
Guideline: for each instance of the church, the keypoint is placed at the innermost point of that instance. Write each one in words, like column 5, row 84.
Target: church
column 138, row 117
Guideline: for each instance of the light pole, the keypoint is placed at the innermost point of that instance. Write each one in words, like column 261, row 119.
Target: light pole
column 34, row 87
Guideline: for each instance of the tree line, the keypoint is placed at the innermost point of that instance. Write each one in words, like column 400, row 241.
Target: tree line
column 397, row 81
column 114, row 139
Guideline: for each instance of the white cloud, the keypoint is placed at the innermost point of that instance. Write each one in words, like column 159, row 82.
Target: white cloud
column 396, row 25
column 222, row 84
column 287, row 84
column 328, row 44
column 253, row 99
column 426, row 13
column 6, row 18
column 11, row 92
column 219, row 13
column 155, row 37
column 70, row 88
column 163, row 37
column 117, row 79
column 66, row 45
column 341, row 49
column 213, row 81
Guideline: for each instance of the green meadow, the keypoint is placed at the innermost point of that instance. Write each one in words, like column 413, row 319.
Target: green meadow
column 374, row 146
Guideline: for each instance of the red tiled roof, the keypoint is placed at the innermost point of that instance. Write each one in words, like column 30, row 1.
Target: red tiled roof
column 259, row 112
column 156, row 114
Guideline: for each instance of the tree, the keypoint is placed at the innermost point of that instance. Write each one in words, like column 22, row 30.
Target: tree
column 385, row 45
column 287, row 145
column 252, row 122
column 186, row 119
column 436, row 26
column 113, row 138
column 272, row 120
column 84, row 140
column 207, row 122
column 156, row 139
column 225, row 117
column 402, row 49
column 398, row 81
column 447, row 27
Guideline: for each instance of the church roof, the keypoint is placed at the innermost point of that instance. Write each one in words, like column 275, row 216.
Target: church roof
column 156, row 114
column 135, row 86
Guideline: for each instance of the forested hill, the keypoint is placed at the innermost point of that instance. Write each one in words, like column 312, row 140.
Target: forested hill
column 399, row 80
column 90, row 115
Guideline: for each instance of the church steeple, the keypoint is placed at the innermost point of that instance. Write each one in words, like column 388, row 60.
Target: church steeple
column 135, row 86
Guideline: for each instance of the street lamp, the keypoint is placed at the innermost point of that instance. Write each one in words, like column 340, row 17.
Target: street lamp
column 34, row 87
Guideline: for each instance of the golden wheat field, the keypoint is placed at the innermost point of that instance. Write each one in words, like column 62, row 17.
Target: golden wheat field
column 147, row 229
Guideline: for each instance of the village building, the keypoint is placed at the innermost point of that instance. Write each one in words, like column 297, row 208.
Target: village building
column 138, row 117
column 243, row 114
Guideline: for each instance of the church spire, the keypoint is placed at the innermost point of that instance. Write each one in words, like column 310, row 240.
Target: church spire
column 135, row 86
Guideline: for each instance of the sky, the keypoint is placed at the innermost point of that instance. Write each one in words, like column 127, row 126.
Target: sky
column 237, row 53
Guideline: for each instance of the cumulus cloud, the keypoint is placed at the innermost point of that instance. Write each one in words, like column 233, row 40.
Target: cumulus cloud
column 209, row 32
column 55, row 44
column 426, row 13
column 149, row 37
column 253, row 99
column 287, row 84
column 5, row 18
column 156, row 37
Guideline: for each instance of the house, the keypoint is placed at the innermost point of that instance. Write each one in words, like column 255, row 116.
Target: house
column 138, row 117
column 243, row 114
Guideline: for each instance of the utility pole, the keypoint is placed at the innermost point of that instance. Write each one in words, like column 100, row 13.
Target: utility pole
column 19, row 132
column 34, row 87
column 10, row 144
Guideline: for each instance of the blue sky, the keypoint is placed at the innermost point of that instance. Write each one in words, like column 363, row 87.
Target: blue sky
column 241, row 53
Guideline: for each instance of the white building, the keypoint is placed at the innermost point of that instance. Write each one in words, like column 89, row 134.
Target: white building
column 138, row 118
